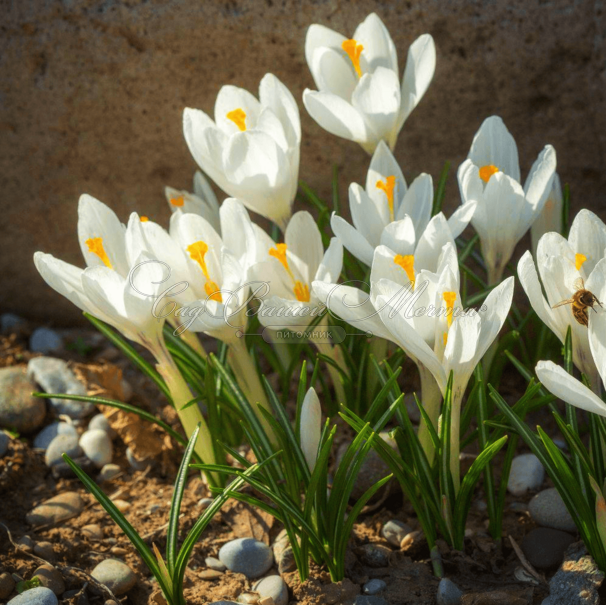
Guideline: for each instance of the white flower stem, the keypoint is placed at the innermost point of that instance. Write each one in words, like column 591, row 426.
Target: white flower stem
column 455, row 437
column 247, row 377
column 337, row 381
column 191, row 338
column 431, row 398
column 181, row 395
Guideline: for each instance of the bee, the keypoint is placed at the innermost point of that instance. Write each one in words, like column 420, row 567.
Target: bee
column 581, row 301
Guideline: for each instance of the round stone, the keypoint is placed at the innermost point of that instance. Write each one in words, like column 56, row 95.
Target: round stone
column 548, row 510
column 93, row 531
column 7, row 584
column 45, row 340
column 109, row 472
column 214, row 563
column 374, row 587
column 448, row 593
column 114, row 574
column 375, row 555
column 35, row 596
column 136, row 463
column 395, row 531
column 61, row 507
column 274, row 587
column 527, row 473
column 100, row 422
column 19, row 411
column 4, row 441
column 44, row 438
column 247, row 556
column 97, row 446
column 45, row 551
column 51, row 578
column 544, row 547
column 62, row 444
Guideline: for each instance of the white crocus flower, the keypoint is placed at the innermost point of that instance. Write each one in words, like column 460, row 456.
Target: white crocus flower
column 491, row 177
column 202, row 201
column 311, row 427
column 551, row 217
column 251, row 149
column 378, row 209
column 561, row 263
column 359, row 94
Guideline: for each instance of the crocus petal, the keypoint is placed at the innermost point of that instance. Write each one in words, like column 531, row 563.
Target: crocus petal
column 231, row 98
column 352, row 239
column 311, row 427
column 365, row 215
column 379, row 49
column 304, row 240
column 238, row 234
column 417, row 202
column 597, row 341
column 204, row 191
column 538, row 184
column 319, row 36
column 332, row 262
column 460, row 218
column 333, row 73
column 588, row 236
column 470, row 184
column 559, row 382
column 383, row 166
column 400, row 237
column 432, row 241
column 550, row 218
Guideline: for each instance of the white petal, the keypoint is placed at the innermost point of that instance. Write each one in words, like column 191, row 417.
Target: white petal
column 432, row 241
column 273, row 94
column 588, row 236
column 352, row 239
column 333, row 73
column 319, row 36
column 470, row 183
column 550, row 218
column 597, row 340
column 365, row 215
column 382, row 166
column 231, row 98
column 379, row 49
column 303, row 239
column 399, row 236
column 538, row 184
column 384, row 267
column 311, row 427
column 460, row 218
column 204, row 191
column 564, row 386
column 418, row 202
column 332, row 262
column 270, row 124
column 238, row 234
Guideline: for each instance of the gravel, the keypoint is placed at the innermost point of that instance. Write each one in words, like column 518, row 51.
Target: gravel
column 274, row 587
column 35, row 596
column 548, row 510
column 374, row 587
column 97, row 447
column 45, row 340
column 19, row 411
column 247, row 556
column 544, row 547
column 395, row 531
column 61, row 507
column 448, row 593
column 62, row 444
column 43, row 439
column 116, row 575
column 527, row 474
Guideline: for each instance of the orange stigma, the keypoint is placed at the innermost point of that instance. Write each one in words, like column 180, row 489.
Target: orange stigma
column 177, row 201
column 95, row 245
column 579, row 259
column 238, row 117
column 487, row 171
column 449, row 299
column 407, row 263
column 144, row 219
column 388, row 187
column 353, row 50
column 301, row 291
column 197, row 252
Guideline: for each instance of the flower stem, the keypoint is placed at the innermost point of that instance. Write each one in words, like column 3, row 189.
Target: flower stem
column 455, row 437
column 431, row 397
column 325, row 348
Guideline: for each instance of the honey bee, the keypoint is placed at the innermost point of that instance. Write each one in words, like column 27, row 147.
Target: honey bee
column 581, row 301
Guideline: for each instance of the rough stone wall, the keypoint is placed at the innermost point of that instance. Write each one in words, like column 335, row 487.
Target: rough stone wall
column 92, row 92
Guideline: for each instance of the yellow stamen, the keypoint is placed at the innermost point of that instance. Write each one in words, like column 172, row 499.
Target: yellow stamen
column 144, row 219
column 445, row 337
column 388, row 187
column 279, row 252
column 212, row 291
column 449, row 299
column 197, row 251
column 301, row 291
column 95, row 245
column 353, row 50
column 238, row 117
column 487, row 171
column 579, row 259
column 177, row 201
column 407, row 263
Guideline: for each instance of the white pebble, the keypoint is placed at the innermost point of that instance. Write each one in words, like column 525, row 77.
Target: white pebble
column 527, row 473
column 97, row 446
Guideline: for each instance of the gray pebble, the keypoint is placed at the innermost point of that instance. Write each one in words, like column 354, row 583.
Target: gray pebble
column 448, row 593
column 97, row 446
column 375, row 555
column 369, row 600
column 527, row 473
column 61, row 507
column 374, row 587
column 544, row 547
column 50, row 577
column 35, row 596
column 204, row 503
column 4, row 441
column 43, row 439
column 214, row 563
column 100, row 421
column 114, row 574
column 19, row 411
column 274, row 587
column 394, row 532
column 26, row 543
column 93, row 531
column 45, row 551
column 45, row 340
column 135, row 463
column 62, row 470
column 54, row 376
column 109, row 472
column 7, row 585
column 9, row 322
column 127, row 390
column 548, row 510
column 62, row 444
column 247, row 556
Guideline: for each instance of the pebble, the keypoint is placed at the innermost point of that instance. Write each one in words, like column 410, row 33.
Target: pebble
column 548, row 510
column 35, row 596
column 247, row 556
column 210, row 574
column 374, row 586
column 97, row 446
column 223, row 603
column 61, row 507
column 54, row 376
column 92, row 531
column 136, row 463
column 26, row 543
column 62, row 470
column 114, row 574
column 375, row 555
column 204, row 503
column 527, row 473
column 215, row 564
column 100, row 422
column 7, row 585
column 369, row 600
column 577, row 581
column 127, row 390
column 62, row 444
column 44, row 438
column 45, row 551
column 19, row 411
column 4, row 441
column 109, row 472
column 51, row 578
column 45, row 340
column 544, row 547
column 274, row 587
column 122, row 505
column 9, row 322
column 286, row 561
column 448, row 593
column 395, row 531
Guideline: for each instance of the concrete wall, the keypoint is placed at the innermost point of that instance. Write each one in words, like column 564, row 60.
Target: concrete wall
column 92, row 92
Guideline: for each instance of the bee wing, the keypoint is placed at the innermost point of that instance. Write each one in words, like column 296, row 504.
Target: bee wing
column 578, row 284
column 563, row 302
